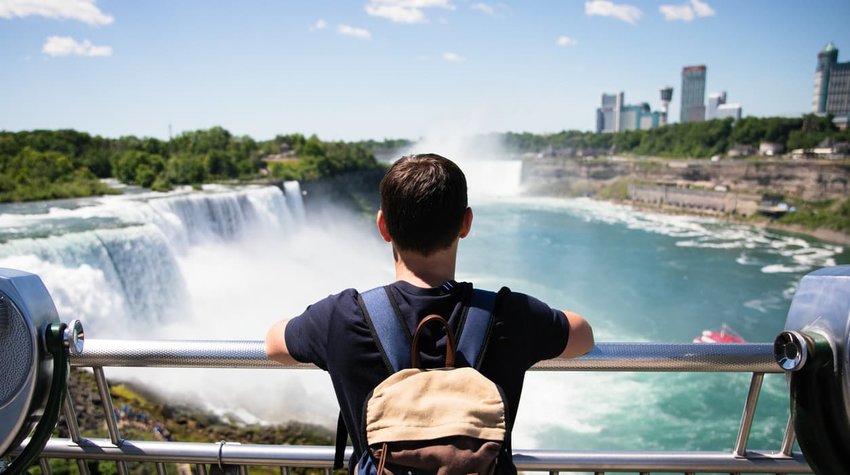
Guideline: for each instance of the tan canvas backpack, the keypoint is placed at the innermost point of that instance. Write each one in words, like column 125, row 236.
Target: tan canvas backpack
column 449, row 420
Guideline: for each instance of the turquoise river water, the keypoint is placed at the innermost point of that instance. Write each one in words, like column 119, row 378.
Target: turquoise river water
column 225, row 263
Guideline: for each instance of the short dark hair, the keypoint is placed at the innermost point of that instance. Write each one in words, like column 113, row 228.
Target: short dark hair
column 423, row 199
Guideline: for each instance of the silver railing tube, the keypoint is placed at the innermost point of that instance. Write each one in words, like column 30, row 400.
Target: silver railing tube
column 755, row 358
column 650, row 357
column 322, row 457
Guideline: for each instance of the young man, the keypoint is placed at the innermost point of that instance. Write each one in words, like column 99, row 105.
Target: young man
column 423, row 215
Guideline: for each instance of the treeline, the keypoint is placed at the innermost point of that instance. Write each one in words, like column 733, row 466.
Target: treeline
column 42, row 164
column 317, row 159
column 690, row 140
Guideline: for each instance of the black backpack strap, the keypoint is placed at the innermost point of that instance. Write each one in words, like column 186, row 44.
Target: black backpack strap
column 341, row 439
column 475, row 328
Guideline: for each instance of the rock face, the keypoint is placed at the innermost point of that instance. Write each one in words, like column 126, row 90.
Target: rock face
column 141, row 415
column 356, row 191
column 809, row 180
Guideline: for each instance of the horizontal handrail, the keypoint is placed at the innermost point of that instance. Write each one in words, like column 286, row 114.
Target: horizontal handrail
column 654, row 357
column 323, row 457
column 755, row 358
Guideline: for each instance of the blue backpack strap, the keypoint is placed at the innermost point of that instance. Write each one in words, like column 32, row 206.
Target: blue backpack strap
column 388, row 329
column 475, row 328
column 392, row 338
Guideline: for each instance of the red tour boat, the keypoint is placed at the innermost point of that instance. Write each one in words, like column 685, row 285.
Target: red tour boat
column 725, row 335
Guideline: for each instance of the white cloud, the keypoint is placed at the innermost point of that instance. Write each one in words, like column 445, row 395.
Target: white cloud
column 405, row 11
column 702, row 9
column 627, row 13
column 81, row 10
column 453, row 57
column 319, row 25
column 566, row 41
column 352, row 31
column 67, row 46
column 484, row 8
column 677, row 12
column 686, row 11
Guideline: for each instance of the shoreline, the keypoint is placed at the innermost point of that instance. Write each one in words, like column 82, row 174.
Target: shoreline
column 826, row 235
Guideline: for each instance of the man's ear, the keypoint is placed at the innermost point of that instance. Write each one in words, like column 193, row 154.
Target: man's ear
column 382, row 226
column 466, row 225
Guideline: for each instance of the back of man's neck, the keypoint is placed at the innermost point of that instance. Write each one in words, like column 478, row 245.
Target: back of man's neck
column 426, row 271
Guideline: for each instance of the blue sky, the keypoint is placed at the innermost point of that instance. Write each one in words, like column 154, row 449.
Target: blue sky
column 379, row 69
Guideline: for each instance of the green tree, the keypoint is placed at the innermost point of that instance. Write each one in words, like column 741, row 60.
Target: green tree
column 186, row 169
column 138, row 168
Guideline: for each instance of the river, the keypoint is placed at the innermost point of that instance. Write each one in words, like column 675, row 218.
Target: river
column 224, row 263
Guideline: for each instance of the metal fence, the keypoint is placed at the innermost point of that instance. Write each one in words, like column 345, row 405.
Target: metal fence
column 202, row 458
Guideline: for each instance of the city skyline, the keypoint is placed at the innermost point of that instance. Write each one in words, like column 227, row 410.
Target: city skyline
column 373, row 69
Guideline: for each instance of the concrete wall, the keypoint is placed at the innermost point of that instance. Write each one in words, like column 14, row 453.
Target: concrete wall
column 704, row 200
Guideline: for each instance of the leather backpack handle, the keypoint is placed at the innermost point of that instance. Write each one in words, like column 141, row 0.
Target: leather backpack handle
column 450, row 341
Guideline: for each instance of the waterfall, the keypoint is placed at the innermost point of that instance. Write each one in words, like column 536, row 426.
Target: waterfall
column 115, row 260
column 492, row 178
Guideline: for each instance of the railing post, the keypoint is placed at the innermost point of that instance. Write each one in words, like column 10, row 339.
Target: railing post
column 111, row 421
column 749, row 413
column 44, row 466
column 788, row 440
column 73, row 428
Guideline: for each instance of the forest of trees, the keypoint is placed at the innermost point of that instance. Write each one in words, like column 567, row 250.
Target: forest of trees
column 41, row 164
column 50, row 164
column 692, row 139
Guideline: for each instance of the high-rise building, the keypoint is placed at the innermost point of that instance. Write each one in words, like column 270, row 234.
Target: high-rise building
column 715, row 99
column 719, row 109
column 608, row 116
column 732, row 110
column 615, row 116
column 832, row 84
column 693, row 94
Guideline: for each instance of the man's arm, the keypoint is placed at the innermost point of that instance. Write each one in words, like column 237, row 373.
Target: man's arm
column 276, row 344
column 581, row 336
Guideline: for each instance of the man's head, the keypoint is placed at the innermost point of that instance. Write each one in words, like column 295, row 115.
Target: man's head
column 423, row 201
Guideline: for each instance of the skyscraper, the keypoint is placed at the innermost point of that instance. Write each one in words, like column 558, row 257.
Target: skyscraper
column 693, row 94
column 608, row 116
column 832, row 84
column 615, row 116
column 719, row 109
column 715, row 99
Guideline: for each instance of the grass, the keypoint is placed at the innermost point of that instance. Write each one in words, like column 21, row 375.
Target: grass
column 826, row 214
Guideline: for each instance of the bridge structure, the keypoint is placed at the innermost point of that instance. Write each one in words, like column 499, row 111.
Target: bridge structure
column 813, row 350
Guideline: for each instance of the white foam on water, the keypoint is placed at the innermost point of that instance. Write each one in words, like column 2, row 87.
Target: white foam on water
column 701, row 232
column 562, row 401
column 260, row 261
column 783, row 269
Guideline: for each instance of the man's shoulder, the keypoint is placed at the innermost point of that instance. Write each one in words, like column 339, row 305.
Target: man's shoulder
column 329, row 308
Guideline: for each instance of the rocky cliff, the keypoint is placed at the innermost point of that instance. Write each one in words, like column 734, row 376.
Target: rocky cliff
column 809, row 180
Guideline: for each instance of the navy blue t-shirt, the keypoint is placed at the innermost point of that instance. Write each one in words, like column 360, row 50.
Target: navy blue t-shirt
column 334, row 335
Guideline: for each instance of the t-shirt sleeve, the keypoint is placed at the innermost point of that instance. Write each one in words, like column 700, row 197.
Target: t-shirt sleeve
column 543, row 331
column 307, row 334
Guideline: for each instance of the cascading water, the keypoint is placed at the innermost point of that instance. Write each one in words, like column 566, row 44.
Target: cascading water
column 114, row 261
column 225, row 263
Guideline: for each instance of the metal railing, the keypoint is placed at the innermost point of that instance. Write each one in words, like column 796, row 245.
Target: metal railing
column 229, row 457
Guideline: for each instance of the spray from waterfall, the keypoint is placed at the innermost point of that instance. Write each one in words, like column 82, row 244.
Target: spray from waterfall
column 491, row 170
column 217, row 264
